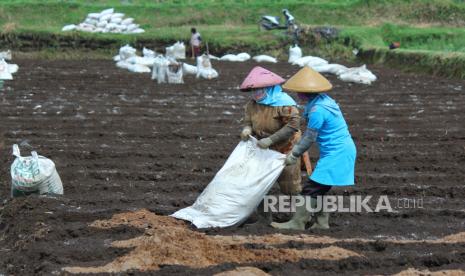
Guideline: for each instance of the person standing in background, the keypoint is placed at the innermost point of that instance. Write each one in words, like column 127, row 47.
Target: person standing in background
column 196, row 42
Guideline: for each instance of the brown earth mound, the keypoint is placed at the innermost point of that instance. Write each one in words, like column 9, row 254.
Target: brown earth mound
column 167, row 241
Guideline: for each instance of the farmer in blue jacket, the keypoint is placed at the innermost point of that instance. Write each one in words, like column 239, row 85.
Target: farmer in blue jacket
column 325, row 126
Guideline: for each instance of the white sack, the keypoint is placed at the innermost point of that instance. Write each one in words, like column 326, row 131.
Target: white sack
column 358, row 75
column 34, row 173
column 237, row 189
column 294, row 53
column 94, row 15
column 6, row 55
column 123, row 64
column 205, row 69
column 148, row 53
column 4, row 72
column 264, row 58
column 175, row 75
column 132, row 27
column 127, row 21
column 107, row 11
column 101, row 24
column 213, row 57
column 91, row 21
column 138, row 31
column 105, row 17
column 229, row 57
column 117, row 15
column 116, row 20
column 316, row 61
column 189, row 69
column 138, row 68
column 309, row 61
column 68, row 28
column 335, row 69
column 13, row 68
column 126, row 52
column 243, row 56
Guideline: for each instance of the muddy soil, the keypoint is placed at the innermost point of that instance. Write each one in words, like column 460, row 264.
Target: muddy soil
column 123, row 143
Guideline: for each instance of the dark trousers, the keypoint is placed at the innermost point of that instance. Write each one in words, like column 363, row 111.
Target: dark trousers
column 314, row 189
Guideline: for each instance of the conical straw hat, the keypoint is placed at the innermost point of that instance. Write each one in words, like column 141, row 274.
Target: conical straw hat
column 259, row 77
column 307, row 80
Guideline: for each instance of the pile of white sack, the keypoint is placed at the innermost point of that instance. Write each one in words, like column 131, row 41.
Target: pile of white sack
column 106, row 21
column 7, row 70
column 357, row 74
column 166, row 68
column 129, row 60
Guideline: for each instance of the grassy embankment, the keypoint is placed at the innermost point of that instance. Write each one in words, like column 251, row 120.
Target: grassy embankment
column 429, row 30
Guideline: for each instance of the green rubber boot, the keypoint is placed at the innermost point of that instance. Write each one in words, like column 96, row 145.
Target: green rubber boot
column 298, row 221
column 321, row 222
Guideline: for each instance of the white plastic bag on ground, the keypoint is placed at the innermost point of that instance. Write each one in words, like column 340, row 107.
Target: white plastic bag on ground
column 237, row 188
column 34, row 174
column 264, row 58
column 189, row 69
column 358, row 75
column 294, row 53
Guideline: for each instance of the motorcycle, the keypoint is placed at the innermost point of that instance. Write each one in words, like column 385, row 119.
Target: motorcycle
column 269, row 22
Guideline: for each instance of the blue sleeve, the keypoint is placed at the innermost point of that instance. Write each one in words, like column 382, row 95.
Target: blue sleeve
column 316, row 118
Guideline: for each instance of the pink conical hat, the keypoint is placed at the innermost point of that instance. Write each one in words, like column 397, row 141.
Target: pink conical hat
column 259, row 77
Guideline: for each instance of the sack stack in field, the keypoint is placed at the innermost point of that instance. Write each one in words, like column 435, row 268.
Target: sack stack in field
column 356, row 74
column 106, row 21
column 128, row 59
